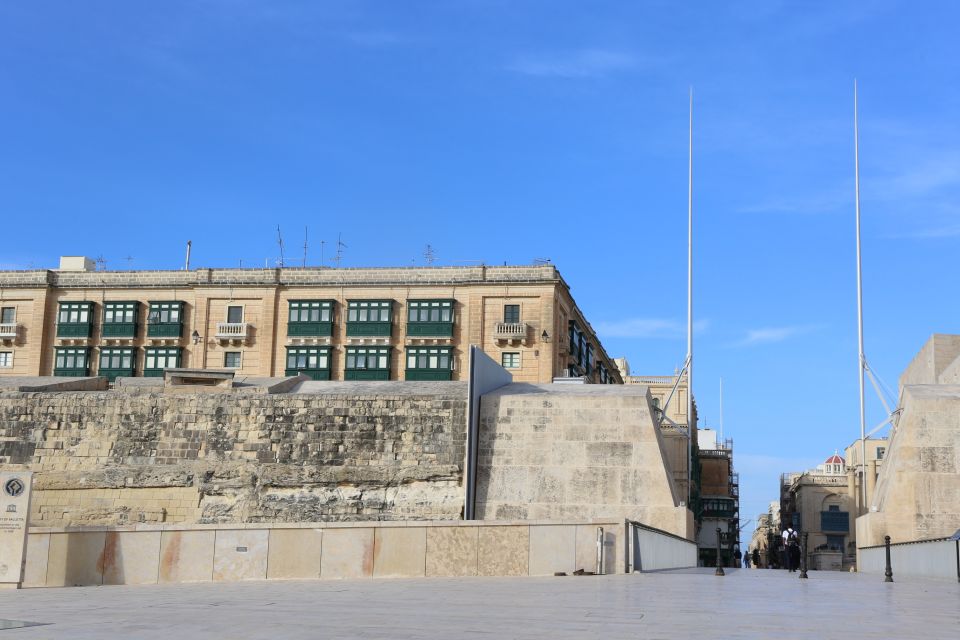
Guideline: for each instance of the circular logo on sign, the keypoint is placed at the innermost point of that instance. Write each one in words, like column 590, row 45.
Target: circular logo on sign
column 14, row 487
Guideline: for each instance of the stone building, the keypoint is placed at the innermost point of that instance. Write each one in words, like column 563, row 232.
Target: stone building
column 718, row 506
column 329, row 324
column 917, row 491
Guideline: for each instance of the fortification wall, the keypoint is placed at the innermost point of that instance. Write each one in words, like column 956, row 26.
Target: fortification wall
column 114, row 458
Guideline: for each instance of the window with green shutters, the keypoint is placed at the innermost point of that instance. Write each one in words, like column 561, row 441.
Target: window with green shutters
column 119, row 319
column 75, row 320
column 156, row 359
column 430, row 318
column 310, row 361
column 313, row 318
column 71, row 361
column 116, row 362
column 367, row 363
column 429, row 363
column 165, row 320
column 369, row 318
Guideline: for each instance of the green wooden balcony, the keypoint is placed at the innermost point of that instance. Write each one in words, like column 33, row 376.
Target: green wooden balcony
column 428, row 374
column 430, row 329
column 313, row 374
column 113, row 374
column 74, row 330
column 369, row 329
column 153, row 373
column 165, row 330
column 72, row 373
column 366, row 374
column 311, row 329
column 119, row 330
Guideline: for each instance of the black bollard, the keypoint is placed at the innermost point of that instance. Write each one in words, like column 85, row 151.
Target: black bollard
column 889, row 572
column 719, row 571
column 803, row 557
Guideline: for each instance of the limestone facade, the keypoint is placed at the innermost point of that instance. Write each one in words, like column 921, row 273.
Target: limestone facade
column 331, row 323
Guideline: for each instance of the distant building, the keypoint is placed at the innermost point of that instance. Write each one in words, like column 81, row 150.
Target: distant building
column 718, row 506
column 329, row 324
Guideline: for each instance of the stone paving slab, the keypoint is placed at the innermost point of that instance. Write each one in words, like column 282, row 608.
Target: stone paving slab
column 675, row 605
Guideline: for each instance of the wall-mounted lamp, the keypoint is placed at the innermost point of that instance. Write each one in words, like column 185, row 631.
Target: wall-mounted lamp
column 545, row 337
column 196, row 337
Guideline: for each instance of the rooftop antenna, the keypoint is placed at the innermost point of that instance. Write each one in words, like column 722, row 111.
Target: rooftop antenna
column 323, row 243
column 721, row 409
column 428, row 255
column 541, row 261
column 129, row 260
column 305, row 231
column 101, row 263
column 280, row 243
column 338, row 258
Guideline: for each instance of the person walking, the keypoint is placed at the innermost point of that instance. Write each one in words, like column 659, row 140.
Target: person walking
column 791, row 544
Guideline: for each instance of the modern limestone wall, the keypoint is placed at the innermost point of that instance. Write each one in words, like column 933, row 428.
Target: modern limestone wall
column 332, row 452
column 566, row 451
column 150, row 554
column 918, row 490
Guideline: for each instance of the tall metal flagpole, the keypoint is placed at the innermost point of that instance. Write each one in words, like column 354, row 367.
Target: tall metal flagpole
column 721, row 411
column 861, row 357
column 691, row 433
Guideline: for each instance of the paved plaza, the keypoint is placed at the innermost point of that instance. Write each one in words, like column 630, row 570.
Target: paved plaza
column 679, row 604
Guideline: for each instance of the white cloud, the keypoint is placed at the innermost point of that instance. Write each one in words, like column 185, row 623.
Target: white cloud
column 584, row 63
column 647, row 328
column 769, row 335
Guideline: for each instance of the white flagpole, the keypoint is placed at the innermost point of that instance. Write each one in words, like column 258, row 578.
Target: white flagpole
column 721, row 411
column 861, row 357
column 691, row 432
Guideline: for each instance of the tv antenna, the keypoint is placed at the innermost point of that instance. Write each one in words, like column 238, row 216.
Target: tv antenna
column 539, row 262
column 340, row 247
column 305, row 232
column 101, row 263
column 322, row 245
column 129, row 260
column 429, row 256
column 280, row 243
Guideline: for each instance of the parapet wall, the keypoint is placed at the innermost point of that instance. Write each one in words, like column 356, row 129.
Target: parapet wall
column 115, row 458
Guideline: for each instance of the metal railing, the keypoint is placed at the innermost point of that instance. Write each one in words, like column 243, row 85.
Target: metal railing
column 658, row 380
column 8, row 330
column 510, row 330
column 232, row 329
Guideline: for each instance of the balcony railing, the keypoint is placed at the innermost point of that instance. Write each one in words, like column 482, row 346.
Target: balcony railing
column 658, row 380
column 234, row 330
column 510, row 330
column 8, row 330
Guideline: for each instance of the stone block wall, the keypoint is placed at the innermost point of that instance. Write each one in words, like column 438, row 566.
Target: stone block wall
column 569, row 451
column 113, row 458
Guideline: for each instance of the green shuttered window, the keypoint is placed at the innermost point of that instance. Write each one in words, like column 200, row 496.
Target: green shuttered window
column 369, row 318
column 429, row 363
column 310, row 318
column 75, row 320
column 430, row 318
column 71, row 361
column 310, row 361
column 116, row 362
column 367, row 363
column 156, row 359
column 120, row 319
column 165, row 319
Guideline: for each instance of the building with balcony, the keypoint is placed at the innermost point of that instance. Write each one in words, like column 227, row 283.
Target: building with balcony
column 329, row 324
column 718, row 503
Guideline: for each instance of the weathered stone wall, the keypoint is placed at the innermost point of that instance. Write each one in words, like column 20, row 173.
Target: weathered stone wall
column 116, row 458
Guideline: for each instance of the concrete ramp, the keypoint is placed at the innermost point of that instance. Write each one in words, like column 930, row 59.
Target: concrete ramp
column 556, row 452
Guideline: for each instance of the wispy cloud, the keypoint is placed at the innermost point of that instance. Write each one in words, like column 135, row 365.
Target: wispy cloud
column 647, row 328
column 583, row 63
column 770, row 335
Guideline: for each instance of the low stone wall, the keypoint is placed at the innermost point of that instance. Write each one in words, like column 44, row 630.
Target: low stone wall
column 115, row 458
column 151, row 554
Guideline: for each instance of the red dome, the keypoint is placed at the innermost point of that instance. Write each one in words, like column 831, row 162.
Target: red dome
column 834, row 459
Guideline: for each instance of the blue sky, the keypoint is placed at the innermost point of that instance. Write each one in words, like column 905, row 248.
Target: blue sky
column 504, row 131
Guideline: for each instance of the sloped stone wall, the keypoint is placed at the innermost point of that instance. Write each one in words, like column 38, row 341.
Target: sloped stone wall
column 118, row 458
